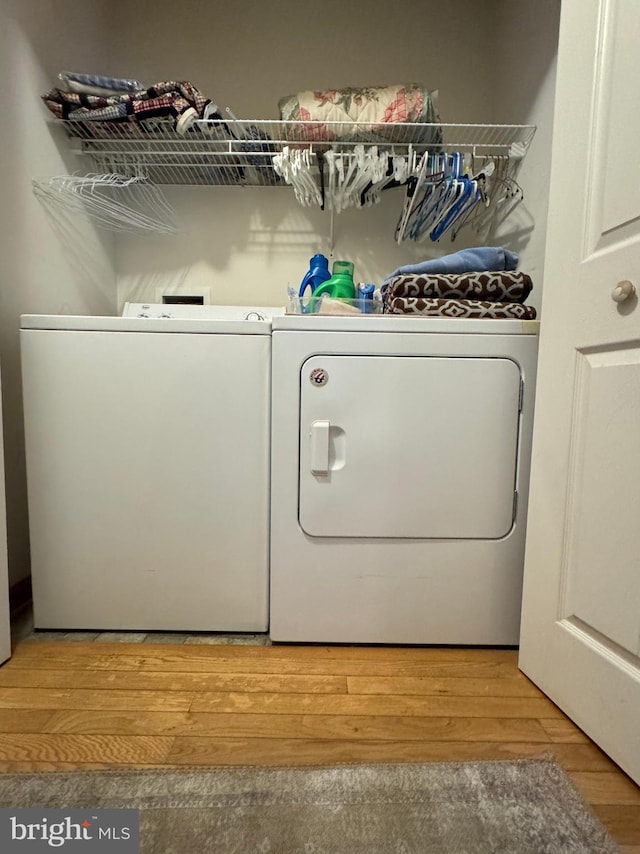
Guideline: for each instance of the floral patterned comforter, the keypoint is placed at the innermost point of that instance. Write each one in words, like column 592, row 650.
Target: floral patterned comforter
column 378, row 108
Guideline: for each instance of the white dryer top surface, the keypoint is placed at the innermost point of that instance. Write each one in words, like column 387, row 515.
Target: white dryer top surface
column 405, row 323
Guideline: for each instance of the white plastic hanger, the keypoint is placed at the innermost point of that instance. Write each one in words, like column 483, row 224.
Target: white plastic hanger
column 112, row 201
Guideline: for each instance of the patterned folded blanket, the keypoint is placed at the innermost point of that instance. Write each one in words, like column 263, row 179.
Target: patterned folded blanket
column 178, row 100
column 499, row 286
column 426, row 306
column 379, row 107
column 98, row 84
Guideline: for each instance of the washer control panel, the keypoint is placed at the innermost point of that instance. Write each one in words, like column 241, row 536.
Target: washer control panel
column 158, row 311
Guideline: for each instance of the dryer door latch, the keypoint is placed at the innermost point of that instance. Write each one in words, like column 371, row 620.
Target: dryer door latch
column 320, row 448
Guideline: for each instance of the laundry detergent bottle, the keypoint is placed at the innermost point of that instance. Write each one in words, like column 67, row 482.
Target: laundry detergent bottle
column 341, row 284
column 317, row 274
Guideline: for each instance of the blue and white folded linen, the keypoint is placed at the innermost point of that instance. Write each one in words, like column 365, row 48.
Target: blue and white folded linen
column 474, row 260
column 98, row 84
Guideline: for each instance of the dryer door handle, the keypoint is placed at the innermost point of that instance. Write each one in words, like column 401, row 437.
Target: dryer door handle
column 320, row 448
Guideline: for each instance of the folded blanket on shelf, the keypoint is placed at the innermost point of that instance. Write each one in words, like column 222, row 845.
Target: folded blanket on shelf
column 426, row 306
column 474, row 260
column 98, row 84
column 497, row 286
column 179, row 100
column 379, row 107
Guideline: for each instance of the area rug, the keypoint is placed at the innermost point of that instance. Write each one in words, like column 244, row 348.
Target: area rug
column 516, row 806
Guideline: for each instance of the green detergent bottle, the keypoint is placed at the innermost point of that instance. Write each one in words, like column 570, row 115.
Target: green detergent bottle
column 340, row 285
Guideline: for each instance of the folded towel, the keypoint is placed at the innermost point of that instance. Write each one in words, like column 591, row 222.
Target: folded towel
column 499, row 286
column 459, row 308
column 473, row 260
column 98, row 84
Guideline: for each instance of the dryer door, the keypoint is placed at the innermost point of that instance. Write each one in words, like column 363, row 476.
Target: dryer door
column 408, row 446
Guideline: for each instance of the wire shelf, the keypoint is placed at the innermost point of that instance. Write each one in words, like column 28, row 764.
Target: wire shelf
column 232, row 152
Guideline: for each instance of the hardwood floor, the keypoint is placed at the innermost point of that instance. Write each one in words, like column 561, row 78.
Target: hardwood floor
column 70, row 705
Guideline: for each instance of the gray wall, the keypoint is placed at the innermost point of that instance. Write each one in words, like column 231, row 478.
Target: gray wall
column 47, row 265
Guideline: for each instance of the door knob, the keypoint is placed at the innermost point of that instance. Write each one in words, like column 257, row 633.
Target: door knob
column 622, row 291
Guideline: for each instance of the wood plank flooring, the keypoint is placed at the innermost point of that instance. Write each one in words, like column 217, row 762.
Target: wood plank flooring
column 71, row 705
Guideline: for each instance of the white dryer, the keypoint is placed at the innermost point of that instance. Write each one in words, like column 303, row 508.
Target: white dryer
column 147, row 442
column 400, row 472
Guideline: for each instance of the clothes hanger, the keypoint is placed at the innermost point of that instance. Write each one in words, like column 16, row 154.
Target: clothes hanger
column 113, row 201
column 502, row 195
column 372, row 168
column 412, row 196
column 467, row 195
column 481, row 174
column 440, row 188
column 295, row 166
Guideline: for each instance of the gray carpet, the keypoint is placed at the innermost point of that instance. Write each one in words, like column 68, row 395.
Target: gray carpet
column 437, row 808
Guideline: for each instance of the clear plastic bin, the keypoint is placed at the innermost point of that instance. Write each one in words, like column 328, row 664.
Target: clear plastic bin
column 337, row 307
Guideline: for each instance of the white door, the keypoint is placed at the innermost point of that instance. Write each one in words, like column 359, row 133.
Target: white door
column 580, row 638
column 430, row 443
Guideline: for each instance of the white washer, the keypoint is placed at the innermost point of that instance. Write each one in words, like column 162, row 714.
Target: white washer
column 147, row 442
column 400, row 471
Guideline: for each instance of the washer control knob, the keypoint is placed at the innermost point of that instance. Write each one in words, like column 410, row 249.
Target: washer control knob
column 622, row 291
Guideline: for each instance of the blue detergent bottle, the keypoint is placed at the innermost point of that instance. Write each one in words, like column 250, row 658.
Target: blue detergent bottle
column 317, row 274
